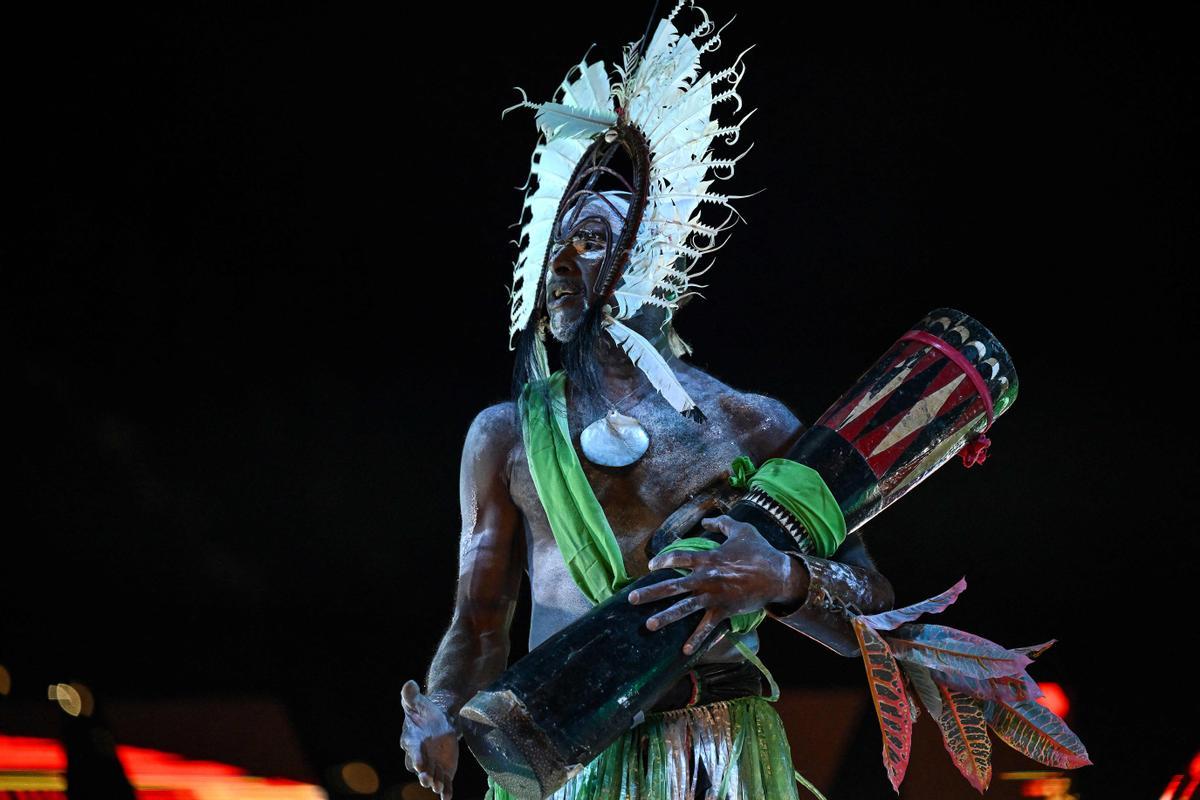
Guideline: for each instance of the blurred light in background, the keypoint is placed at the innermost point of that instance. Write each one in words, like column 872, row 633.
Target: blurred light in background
column 5, row 681
column 360, row 778
column 1054, row 698
column 1042, row 783
column 29, row 764
column 67, row 697
column 1177, row 789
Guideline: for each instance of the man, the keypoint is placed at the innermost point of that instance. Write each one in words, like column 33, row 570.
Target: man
column 505, row 529
column 613, row 228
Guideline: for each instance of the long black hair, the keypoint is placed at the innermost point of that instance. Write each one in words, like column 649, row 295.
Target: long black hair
column 578, row 356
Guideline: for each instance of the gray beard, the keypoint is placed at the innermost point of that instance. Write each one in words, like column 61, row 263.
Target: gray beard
column 579, row 355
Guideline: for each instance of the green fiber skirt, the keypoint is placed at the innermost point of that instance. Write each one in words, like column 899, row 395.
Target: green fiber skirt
column 740, row 744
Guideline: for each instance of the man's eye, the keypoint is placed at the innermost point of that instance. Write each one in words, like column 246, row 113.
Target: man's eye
column 587, row 241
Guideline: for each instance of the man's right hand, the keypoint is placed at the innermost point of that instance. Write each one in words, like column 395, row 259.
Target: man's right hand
column 430, row 741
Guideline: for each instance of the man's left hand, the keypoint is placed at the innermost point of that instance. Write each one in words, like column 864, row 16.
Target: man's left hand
column 743, row 575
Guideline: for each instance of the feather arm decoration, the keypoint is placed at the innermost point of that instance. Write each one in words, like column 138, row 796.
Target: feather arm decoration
column 967, row 684
column 891, row 700
column 964, row 732
column 890, row 620
column 650, row 361
column 1037, row 732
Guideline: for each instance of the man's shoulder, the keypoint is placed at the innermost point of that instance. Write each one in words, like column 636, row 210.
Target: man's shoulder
column 740, row 403
column 495, row 426
column 760, row 420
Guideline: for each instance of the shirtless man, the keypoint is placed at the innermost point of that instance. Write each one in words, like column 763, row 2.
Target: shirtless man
column 505, row 530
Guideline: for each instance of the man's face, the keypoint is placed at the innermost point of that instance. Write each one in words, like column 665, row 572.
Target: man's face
column 576, row 259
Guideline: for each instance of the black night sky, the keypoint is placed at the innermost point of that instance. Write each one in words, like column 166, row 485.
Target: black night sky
column 256, row 282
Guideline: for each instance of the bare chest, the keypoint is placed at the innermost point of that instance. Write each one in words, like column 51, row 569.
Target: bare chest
column 683, row 458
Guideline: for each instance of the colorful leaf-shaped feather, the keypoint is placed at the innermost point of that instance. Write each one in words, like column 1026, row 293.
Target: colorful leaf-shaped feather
column 890, row 620
column 964, row 731
column 921, row 679
column 1037, row 732
column 914, row 708
column 891, row 701
column 1035, row 650
column 951, row 650
column 1007, row 688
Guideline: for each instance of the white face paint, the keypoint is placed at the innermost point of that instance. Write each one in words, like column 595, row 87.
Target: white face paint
column 576, row 259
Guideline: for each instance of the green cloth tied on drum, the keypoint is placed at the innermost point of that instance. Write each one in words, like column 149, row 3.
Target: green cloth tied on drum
column 802, row 491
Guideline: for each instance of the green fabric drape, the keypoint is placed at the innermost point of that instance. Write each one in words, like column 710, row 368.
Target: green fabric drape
column 802, row 491
column 577, row 520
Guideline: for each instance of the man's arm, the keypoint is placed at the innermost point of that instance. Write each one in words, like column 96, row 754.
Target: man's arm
column 474, row 650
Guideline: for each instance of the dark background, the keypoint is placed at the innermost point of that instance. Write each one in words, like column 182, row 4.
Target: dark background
column 257, row 284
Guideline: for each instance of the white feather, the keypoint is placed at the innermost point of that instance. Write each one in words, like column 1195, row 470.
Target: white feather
column 651, row 362
column 557, row 120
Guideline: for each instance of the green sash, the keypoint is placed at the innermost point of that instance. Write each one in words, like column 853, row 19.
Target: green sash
column 580, row 528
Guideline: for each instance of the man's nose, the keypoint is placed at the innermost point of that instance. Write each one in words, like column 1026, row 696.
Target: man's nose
column 564, row 262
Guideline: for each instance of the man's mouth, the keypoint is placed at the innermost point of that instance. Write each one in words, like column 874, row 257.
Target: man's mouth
column 560, row 295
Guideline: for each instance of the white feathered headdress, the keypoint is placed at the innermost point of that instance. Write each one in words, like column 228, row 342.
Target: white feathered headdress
column 659, row 109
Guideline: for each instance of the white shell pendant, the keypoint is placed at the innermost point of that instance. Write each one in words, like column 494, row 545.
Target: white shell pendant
column 614, row 440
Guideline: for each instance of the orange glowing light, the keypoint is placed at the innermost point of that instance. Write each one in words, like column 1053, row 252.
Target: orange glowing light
column 1054, row 698
column 1194, row 766
column 360, row 778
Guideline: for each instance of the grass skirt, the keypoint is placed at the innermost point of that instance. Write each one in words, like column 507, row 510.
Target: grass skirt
column 740, row 744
